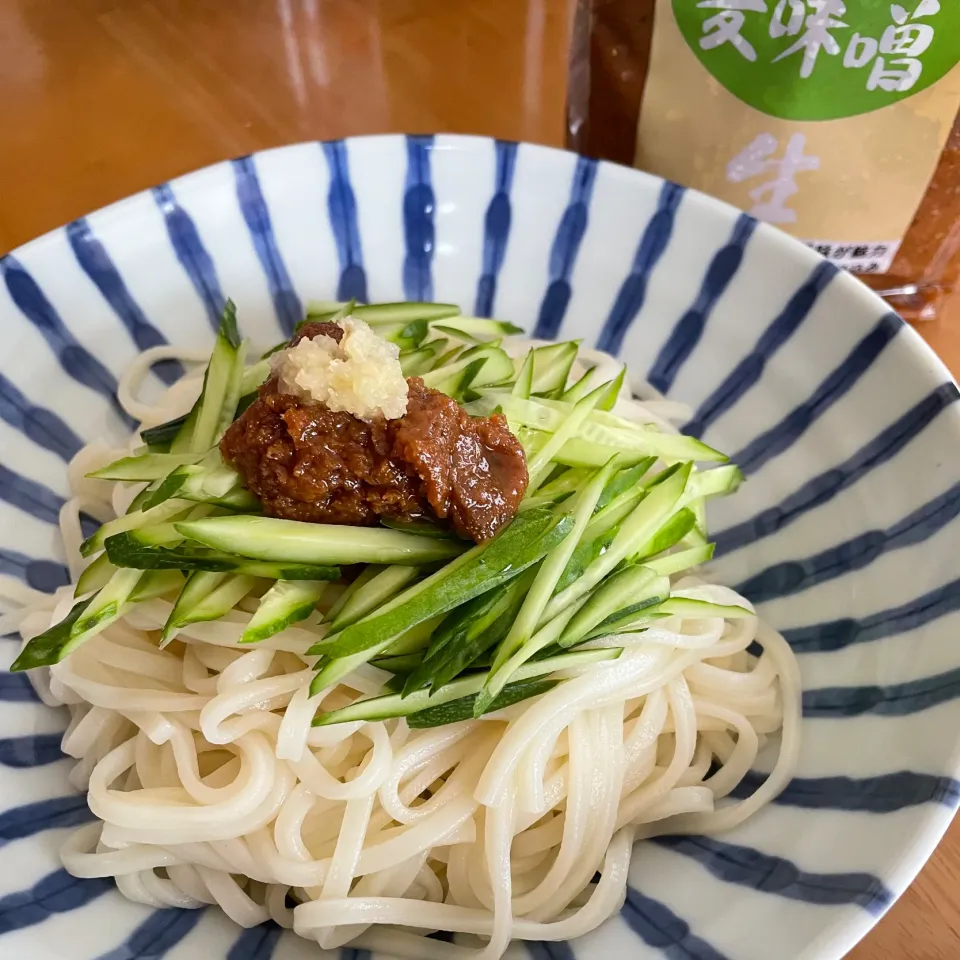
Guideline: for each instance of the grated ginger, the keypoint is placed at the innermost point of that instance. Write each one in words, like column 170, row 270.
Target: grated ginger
column 360, row 375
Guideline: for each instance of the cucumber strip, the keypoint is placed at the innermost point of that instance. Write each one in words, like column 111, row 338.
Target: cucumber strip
column 629, row 591
column 414, row 363
column 456, row 384
column 220, row 382
column 163, row 435
column 552, row 568
column 570, row 481
column 718, row 481
column 607, row 430
column 551, row 366
column 624, row 482
column 537, row 465
column 480, row 328
column 211, row 600
column 50, row 646
column 445, row 359
column 407, row 336
column 467, row 632
column 387, row 583
column 398, row 664
column 586, row 553
column 155, row 583
column 286, row 541
column 581, row 388
column 519, row 545
column 635, row 530
column 422, row 528
column 635, row 619
column 456, row 334
column 197, row 586
column 415, row 640
column 183, row 441
column 331, row 670
column 523, row 386
column 669, row 535
column 360, row 581
column 674, row 563
column 496, row 367
column 106, row 605
column 697, row 609
column 130, row 521
column 500, row 675
column 94, row 576
column 148, row 466
column 395, row 705
column 285, row 603
column 377, row 313
column 464, row 708
column 126, row 550
column 613, row 391
column 232, row 392
column 577, row 452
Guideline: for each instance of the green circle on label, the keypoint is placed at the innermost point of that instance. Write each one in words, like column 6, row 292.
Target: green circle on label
column 822, row 59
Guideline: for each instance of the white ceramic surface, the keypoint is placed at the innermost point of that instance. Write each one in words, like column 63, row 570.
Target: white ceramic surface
column 846, row 531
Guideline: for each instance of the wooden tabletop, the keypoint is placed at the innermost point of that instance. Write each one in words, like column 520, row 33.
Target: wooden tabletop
column 101, row 98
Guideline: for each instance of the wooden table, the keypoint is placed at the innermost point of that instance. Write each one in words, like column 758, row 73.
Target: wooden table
column 101, row 98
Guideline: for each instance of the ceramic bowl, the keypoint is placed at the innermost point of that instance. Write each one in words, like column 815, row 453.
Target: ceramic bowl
column 846, row 531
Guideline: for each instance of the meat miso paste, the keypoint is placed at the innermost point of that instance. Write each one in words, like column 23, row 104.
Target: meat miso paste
column 337, row 435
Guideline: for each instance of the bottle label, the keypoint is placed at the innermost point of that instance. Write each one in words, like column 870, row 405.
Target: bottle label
column 823, row 117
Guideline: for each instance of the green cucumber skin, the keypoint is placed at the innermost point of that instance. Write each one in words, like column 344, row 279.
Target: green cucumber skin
column 491, row 568
column 462, row 709
column 285, row 603
column 47, row 648
column 286, row 541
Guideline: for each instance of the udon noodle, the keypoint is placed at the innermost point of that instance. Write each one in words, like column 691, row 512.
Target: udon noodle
column 210, row 786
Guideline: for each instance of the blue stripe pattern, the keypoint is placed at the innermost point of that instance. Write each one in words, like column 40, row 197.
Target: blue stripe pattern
column 33, row 818
column 29, row 496
column 550, row 950
column 633, row 291
column 342, row 213
column 818, row 490
column 689, row 329
column 97, row 265
column 659, row 927
column 749, row 370
column 286, row 303
column 496, row 228
column 190, row 251
column 257, row 943
column 36, row 423
column 32, row 750
column 157, row 935
column 563, row 252
column 792, row 576
column 419, row 210
column 44, row 575
column 747, row 867
column 16, row 688
column 885, row 793
column 75, row 359
column 778, row 438
column 839, row 634
column 58, row 892
column 895, row 700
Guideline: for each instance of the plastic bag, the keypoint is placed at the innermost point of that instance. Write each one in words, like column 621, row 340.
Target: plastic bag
column 838, row 122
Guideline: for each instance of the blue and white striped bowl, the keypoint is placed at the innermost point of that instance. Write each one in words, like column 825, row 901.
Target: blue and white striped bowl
column 844, row 422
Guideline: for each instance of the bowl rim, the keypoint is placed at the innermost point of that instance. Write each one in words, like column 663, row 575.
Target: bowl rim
column 837, row 939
